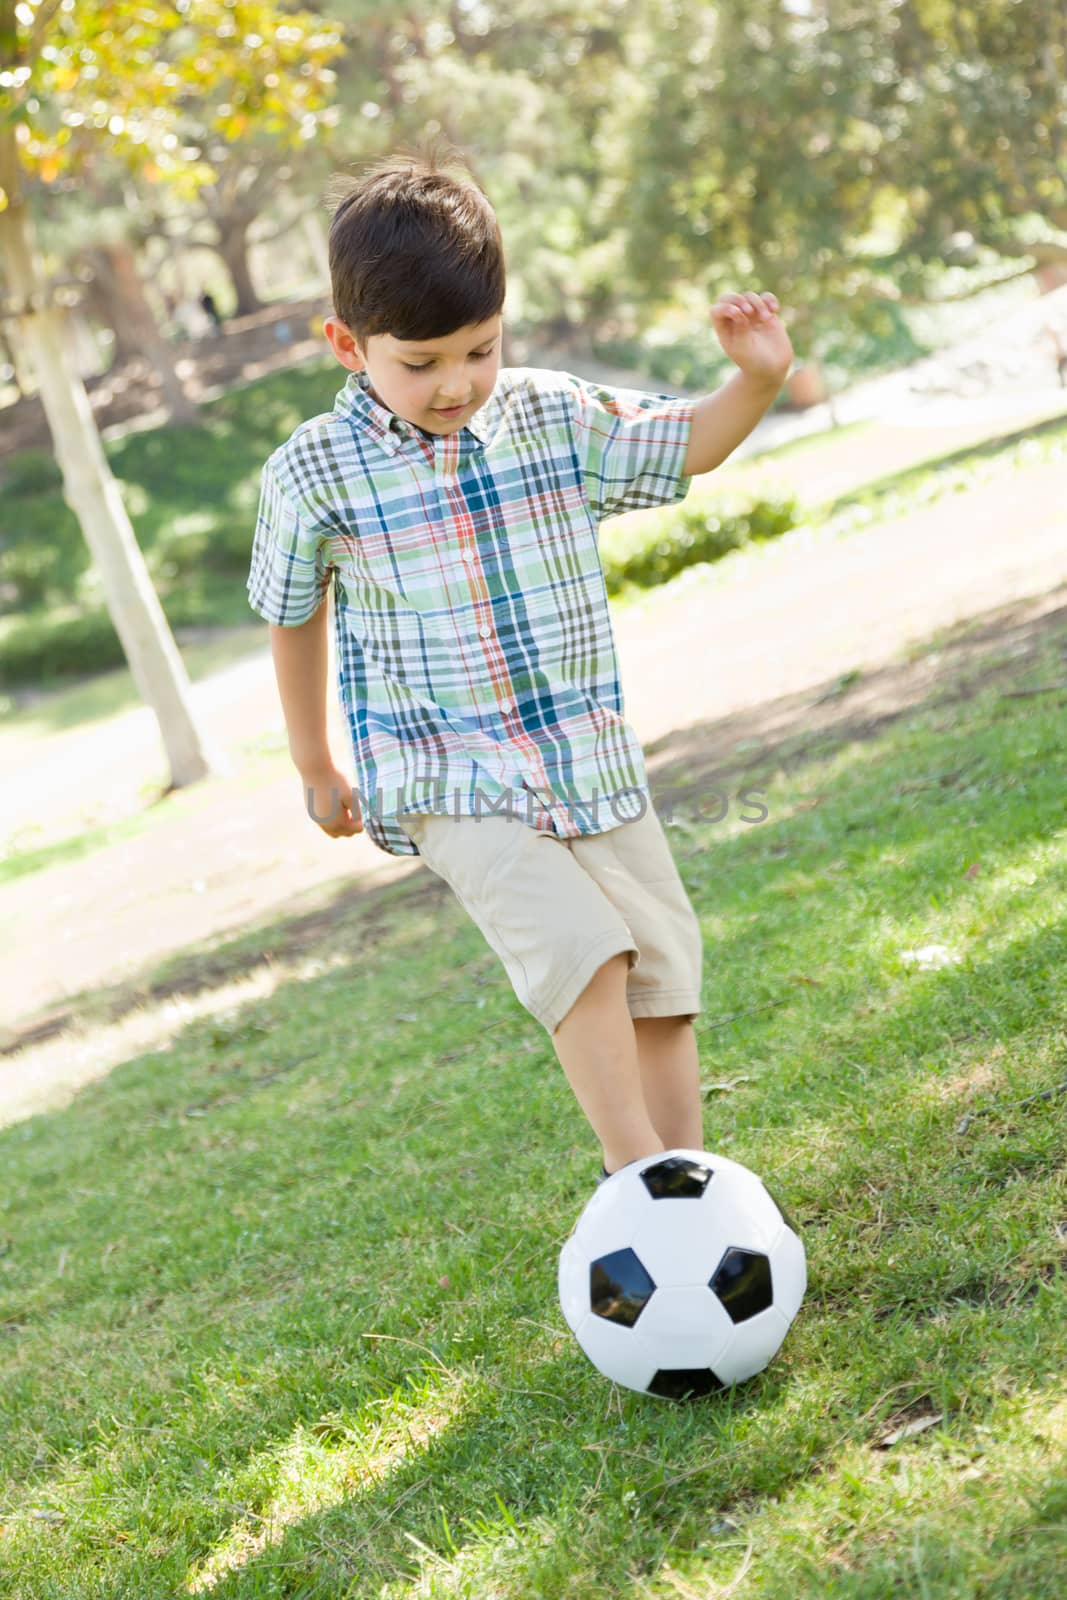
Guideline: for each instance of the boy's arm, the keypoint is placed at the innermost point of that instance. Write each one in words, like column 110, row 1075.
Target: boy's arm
column 752, row 335
column 300, row 665
column 721, row 420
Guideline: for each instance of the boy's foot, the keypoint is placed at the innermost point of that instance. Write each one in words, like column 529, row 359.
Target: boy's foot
column 604, row 1173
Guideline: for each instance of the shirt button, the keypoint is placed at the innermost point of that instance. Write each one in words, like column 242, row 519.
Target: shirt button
column 486, row 633
column 468, row 555
column 505, row 706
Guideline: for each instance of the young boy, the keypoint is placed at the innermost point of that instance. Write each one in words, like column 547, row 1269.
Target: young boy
column 453, row 505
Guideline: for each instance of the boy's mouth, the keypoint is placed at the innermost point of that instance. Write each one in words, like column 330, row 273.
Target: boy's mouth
column 451, row 411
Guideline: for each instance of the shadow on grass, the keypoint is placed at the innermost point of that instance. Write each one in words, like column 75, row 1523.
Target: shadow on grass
column 390, row 1186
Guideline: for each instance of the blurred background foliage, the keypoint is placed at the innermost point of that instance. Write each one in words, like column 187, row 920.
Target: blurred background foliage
column 878, row 164
column 857, row 156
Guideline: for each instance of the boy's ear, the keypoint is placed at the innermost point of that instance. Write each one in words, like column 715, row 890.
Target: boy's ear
column 342, row 342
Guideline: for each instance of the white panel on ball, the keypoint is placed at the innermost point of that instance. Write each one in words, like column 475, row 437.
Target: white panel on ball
column 760, row 1339
column 684, row 1328
column 607, row 1223
column 759, row 1208
column 686, row 1243
column 573, row 1283
column 790, row 1273
column 615, row 1352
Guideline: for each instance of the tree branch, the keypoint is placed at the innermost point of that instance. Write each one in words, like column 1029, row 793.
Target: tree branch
column 978, row 288
column 45, row 12
column 286, row 227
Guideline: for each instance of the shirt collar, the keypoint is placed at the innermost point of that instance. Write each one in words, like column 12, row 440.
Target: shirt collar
column 391, row 431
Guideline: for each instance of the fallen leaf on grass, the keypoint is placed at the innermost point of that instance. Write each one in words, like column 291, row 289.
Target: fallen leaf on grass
column 1014, row 1105
column 908, row 1431
column 723, row 1088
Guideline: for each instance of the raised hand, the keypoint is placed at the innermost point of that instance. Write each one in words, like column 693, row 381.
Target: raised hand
column 752, row 334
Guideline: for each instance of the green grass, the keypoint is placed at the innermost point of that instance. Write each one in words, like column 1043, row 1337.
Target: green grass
column 277, row 1300
column 19, row 863
column 964, row 468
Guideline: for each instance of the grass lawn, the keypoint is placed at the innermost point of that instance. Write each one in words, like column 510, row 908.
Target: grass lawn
column 277, row 1302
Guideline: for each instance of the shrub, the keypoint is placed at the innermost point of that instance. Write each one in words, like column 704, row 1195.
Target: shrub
column 30, row 472
column 695, row 534
column 42, row 552
column 43, row 647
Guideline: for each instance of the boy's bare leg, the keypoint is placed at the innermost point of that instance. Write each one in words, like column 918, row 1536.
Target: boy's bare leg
column 597, row 1049
column 670, row 1079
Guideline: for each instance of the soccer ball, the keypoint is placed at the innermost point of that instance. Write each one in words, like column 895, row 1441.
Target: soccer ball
column 682, row 1275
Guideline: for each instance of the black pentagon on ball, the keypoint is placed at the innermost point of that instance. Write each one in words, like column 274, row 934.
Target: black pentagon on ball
column 619, row 1287
column 683, row 1383
column 677, row 1178
column 742, row 1282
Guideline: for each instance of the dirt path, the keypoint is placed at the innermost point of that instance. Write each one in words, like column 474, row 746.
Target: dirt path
column 781, row 621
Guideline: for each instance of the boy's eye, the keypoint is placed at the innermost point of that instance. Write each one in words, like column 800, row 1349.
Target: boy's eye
column 479, row 355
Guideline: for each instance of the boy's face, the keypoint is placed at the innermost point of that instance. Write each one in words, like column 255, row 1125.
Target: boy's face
column 422, row 379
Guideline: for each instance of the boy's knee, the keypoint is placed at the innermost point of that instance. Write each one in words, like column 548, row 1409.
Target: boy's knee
column 609, row 980
column 605, row 987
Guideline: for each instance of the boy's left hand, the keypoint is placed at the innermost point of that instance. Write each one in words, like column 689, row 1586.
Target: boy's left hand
column 750, row 331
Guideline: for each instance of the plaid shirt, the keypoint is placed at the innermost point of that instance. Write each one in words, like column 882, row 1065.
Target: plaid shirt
column 476, row 659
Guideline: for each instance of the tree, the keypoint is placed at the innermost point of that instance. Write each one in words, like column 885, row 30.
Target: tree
column 120, row 71
column 978, row 89
column 544, row 70
column 841, row 152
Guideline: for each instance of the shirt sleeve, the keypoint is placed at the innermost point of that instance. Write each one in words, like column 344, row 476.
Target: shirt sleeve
column 631, row 445
column 290, row 571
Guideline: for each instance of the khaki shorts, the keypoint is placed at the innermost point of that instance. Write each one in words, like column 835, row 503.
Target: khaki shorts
column 555, row 909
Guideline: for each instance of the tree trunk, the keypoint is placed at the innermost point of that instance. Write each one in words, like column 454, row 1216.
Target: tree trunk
column 233, row 248
column 318, row 244
column 10, row 356
column 101, row 302
column 116, row 260
column 92, row 493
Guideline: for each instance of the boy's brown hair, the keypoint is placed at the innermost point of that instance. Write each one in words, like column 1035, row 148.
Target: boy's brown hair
column 415, row 247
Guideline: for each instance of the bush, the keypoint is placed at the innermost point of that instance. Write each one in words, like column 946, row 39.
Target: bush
column 42, row 553
column 30, row 472
column 695, row 534
column 47, row 646
column 43, row 648
column 694, row 362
